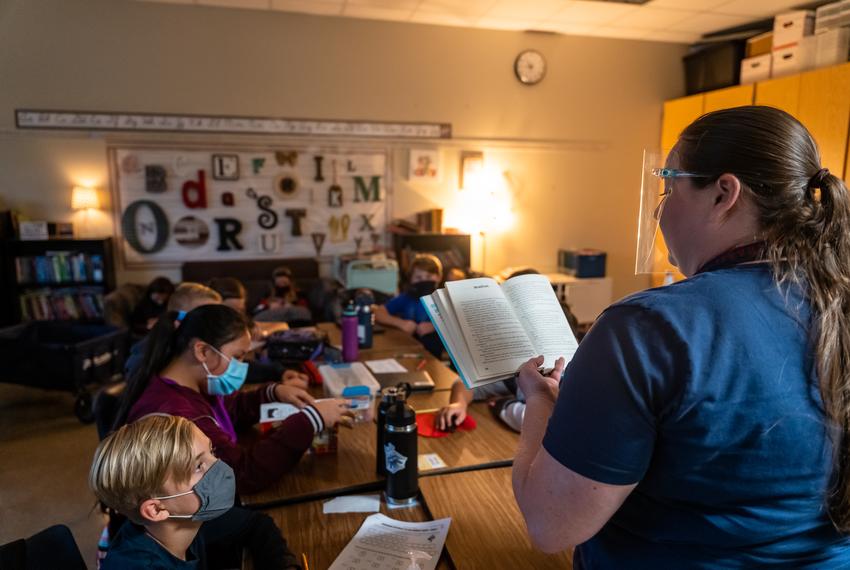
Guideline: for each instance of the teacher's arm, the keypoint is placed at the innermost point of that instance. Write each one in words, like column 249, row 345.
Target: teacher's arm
column 561, row 508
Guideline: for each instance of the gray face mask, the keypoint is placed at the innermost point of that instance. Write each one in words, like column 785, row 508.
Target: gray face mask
column 216, row 489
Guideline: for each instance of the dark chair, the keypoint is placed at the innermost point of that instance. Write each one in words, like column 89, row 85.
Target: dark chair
column 105, row 408
column 53, row 547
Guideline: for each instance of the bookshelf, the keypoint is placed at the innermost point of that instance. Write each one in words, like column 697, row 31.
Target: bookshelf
column 58, row 279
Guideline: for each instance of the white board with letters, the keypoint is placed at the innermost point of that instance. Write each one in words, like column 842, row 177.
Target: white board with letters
column 174, row 205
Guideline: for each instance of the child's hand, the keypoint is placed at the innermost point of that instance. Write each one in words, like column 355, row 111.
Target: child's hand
column 293, row 395
column 533, row 383
column 424, row 328
column 408, row 326
column 452, row 415
column 294, row 378
column 334, row 411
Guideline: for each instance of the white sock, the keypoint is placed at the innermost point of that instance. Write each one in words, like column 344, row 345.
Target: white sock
column 512, row 414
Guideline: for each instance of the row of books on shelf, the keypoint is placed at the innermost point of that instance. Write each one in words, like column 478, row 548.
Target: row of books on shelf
column 84, row 303
column 60, row 267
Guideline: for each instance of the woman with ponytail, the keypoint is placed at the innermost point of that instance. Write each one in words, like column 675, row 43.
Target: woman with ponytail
column 706, row 424
column 194, row 369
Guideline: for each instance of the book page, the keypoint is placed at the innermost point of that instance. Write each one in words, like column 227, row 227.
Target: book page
column 444, row 319
column 497, row 341
column 542, row 317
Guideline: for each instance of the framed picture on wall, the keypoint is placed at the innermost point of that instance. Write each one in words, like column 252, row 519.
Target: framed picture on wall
column 424, row 165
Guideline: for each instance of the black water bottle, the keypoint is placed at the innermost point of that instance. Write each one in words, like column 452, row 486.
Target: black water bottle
column 388, row 398
column 400, row 454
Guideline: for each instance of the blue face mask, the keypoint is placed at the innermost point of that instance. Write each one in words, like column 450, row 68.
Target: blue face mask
column 229, row 381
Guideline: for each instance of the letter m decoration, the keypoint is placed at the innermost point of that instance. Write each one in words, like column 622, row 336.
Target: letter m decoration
column 371, row 193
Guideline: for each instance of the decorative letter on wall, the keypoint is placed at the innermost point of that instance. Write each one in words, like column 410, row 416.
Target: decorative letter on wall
column 295, row 215
column 228, row 231
column 195, row 193
column 155, row 179
column 145, row 226
column 360, row 189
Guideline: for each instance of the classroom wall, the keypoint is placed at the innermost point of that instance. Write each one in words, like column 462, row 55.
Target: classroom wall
column 571, row 145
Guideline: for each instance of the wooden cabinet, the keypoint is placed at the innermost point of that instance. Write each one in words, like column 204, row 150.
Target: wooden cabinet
column 820, row 99
column 782, row 93
column 678, row 114
column 727, row 98
column 825, row 111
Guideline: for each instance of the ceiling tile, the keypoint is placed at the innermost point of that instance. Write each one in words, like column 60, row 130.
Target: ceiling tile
column 319, row 7
column 705, row 23
column 647, row 18
column 537, row 10
column 468, row 11
column 513, row 24
column 696, row 5
column 759, row 8
column 376, row 13
column 386, row 4
column 583, row 12
column 244, row 4
column 673, row 36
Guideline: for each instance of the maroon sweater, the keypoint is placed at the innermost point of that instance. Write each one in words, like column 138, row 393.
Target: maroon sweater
column 257, row 466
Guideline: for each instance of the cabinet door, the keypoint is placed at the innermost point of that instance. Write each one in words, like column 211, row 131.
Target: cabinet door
column 727, row 98
column 825, row 110
column 782, row 93
column 678, row 114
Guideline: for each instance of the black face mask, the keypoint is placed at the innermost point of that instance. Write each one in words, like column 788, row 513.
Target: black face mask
column 421, row 289
column 282, row 291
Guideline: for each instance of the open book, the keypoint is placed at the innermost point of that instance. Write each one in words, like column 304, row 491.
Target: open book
column 490, row 330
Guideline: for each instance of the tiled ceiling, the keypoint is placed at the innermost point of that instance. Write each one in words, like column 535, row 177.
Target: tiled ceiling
column 678, row 21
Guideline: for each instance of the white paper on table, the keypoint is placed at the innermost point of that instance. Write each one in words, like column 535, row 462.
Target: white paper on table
column 353, row 504
column 385, row 365
column 383, row 543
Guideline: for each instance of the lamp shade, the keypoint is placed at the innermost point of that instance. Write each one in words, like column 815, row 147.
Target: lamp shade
column 83, row 198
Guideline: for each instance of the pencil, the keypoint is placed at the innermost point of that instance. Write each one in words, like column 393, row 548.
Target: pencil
column 421, row 364
column 304, row 559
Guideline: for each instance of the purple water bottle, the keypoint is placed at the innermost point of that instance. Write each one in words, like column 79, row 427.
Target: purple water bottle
column 349, row 333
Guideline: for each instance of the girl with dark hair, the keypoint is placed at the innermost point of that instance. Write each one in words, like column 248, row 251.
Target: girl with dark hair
column 706, row 424
column 151, row 306
column 195, row 370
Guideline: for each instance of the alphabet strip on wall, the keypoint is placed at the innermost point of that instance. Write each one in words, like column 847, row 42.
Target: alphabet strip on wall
column 178, row 204
column 153, row 122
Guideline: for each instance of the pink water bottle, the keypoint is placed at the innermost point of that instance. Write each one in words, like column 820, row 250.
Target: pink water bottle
column 349, row 333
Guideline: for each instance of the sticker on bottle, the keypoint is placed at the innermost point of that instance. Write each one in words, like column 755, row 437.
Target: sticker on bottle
column 395, row 460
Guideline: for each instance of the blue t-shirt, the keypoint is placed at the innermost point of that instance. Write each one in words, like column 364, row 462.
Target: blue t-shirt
column 133, row 549
column 406, row 307
column 704, row 394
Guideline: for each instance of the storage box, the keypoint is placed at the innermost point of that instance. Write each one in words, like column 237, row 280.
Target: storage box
column 713, row 67
column 794, row 59
column 756, row 68
column 832, row 47
column 582, row 262
column 791, row 27
column 827, row 17
column 379, row 274
column 760, row 44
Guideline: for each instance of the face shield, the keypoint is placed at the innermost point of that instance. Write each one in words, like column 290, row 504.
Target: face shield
column 656, row 186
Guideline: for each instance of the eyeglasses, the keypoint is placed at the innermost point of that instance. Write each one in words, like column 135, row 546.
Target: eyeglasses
column 668, row 173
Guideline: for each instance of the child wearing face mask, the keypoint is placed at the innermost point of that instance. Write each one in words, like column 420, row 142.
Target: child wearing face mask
column 161, row 474
column 195, row 371
column 405, row 312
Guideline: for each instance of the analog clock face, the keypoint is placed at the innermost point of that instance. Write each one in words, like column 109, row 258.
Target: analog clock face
column 530, row 67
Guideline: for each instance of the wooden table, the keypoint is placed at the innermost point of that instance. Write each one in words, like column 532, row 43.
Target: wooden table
column 390, row 339
column 322, row 537
column 441, row 374
column 352, row 468
column 488, row 530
